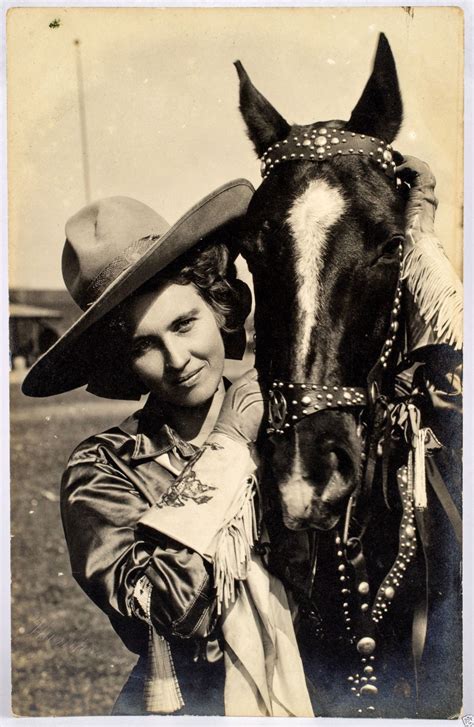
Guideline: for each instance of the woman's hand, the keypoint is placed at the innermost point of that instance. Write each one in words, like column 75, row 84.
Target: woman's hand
column 242, row 410
column 422, row 202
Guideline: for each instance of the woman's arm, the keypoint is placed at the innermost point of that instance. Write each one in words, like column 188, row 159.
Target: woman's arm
column 100, row 509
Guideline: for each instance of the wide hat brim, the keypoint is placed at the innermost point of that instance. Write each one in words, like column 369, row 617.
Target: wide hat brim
column 65, row 365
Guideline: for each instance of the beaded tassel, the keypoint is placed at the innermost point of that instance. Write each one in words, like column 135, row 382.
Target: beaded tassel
column 161, row 692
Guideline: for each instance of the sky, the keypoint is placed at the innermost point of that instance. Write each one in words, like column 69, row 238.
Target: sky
column 161, row 100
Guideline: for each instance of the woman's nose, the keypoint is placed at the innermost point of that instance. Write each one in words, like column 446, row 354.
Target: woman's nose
column 177, row 355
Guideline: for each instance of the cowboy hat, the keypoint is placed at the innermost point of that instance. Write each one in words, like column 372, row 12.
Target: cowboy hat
column 114, row 246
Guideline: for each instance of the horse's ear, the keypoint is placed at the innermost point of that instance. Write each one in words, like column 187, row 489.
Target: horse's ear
column 265, row 126
column 379, row 111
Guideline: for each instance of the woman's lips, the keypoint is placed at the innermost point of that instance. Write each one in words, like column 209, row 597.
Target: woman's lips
column 189, row 379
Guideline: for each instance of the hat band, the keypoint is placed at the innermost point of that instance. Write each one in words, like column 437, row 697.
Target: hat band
column 116, row 267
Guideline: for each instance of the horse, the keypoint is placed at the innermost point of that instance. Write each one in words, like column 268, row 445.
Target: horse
column 324, row 242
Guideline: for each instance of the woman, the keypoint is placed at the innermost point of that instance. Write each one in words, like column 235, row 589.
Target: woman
column 162, row 306
column 162, row 309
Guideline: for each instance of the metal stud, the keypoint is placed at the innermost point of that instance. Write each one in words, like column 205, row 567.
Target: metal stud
column 369, row 690
column 366, row 645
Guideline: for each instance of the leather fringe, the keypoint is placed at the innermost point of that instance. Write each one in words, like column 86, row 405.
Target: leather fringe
column 234, row 541
column 435, row 287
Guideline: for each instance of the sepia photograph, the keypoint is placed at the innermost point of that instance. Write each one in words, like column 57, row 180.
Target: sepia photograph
column 235, row 241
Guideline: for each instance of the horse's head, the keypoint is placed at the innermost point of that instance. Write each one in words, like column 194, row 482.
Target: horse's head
column 324, row 249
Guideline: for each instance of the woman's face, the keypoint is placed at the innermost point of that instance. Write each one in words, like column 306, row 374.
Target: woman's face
column 177, row 349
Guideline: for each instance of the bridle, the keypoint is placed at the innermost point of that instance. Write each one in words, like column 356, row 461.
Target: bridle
column 291, row 401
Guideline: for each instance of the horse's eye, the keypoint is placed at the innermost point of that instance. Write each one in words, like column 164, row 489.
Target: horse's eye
column 266, row 226
column 389, row 250
column 393, row 246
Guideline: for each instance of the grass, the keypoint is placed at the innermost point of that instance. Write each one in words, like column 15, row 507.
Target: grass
column 66, row 659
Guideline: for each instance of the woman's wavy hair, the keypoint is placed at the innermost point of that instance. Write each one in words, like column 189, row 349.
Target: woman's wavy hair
column 210, row 267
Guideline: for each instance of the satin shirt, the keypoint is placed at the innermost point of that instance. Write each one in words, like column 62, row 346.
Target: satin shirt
column 110, row 481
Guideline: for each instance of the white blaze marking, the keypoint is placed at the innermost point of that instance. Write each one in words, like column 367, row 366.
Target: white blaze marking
column 296, row 493
column 310, row 218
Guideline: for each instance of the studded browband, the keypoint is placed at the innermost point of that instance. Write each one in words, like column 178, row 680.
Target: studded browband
column 318, row 143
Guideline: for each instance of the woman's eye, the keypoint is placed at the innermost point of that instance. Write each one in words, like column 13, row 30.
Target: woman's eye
column 185, row 325
column 141, row 346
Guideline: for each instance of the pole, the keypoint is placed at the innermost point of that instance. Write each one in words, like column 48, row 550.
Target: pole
column 83, row 125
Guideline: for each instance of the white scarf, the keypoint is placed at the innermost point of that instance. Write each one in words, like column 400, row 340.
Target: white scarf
column 210, row 508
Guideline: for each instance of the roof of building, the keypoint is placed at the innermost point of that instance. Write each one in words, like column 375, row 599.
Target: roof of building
column 22, row 310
